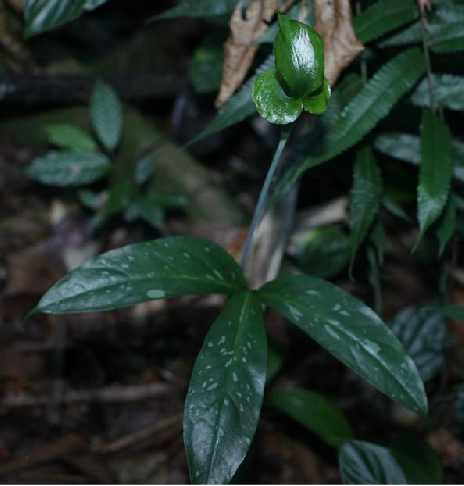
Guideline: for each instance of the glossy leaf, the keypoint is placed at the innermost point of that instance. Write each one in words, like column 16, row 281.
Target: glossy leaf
column 299, row 55
column 365, row 197
column 383, row 17
column 366, row 463
column 448, row 38
column 315, row 412
column 436, row 170
column 199, row 8
column 448, row 91
column 454, row 312
column 316, row 103
column 422, row 331
column 350, row 331
column 447, row 224
column 362, row 114
column 71, row 168
column 271, row 101
column 145, row 271
column 226, row 392
column 43, row 15
column 239, row 107
column 70, row 137
column 106, row 115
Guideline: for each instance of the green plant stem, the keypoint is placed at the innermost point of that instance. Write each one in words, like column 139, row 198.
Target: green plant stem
column 263, row 197
column 428, row 63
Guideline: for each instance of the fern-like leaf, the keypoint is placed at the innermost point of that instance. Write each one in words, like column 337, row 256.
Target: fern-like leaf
column 448, row 90
column 448, row 38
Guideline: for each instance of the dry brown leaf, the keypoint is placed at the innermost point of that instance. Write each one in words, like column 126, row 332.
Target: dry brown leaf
column 240, row 48
column 334, row 24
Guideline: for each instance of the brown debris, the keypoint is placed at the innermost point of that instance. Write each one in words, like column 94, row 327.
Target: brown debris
column 334, row 23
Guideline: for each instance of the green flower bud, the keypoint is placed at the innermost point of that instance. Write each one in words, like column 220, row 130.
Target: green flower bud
column 299, row 53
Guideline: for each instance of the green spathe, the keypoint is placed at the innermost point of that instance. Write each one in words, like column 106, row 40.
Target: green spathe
column 299, row 53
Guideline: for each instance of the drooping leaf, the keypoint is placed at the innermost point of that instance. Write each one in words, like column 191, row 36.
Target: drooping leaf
column 448, row 91
column 239, row 107
column 436, row 170
column 382, row 17
column 43, row 15
column 362, row 114
column 421, row 330
column 447, row 224
column 350, row 331
column 448, row 38
column 366, row 463
column 365, row 197
column 70, row 168
column 226, row 392
column 70, row 137
column 199, row 8
column 106, row 115
column 145, row 271
column 315, row 412
column 454, row 312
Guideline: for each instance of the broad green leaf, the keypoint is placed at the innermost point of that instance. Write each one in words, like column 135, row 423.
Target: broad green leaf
column 293, row 14
column 43, row 15
column 239, row 107
column 382, row 17
column 350, row 331
column 436, row 171
column 407, row 147
column 199, row 8
column 447, row 224
column 454, row 312
column 315, row 412
column 448, row 91
column 316, row 103
column 106, row 115
column 323, row 252
column 226, row 392
column 141, row 272
column 71, row 168
column 70, row 137
column 366, row 463
column 422, row 332
column 418, row 461
column 448, row 38
column 271, row 101
column 367, row 108
column 365, row 197
column 206, row 68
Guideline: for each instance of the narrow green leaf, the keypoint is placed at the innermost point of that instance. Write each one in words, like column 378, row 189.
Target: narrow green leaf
column 106, row 115
column 448, row 38
column 226, row 392
column 448, row 91
column 436, row 171
column 71, row 168
column 365, row 197
column 93, row 4
column 367, row 108
column 422, row 331
column 382, row 17
column 366, row 463
column 352, row 332
column 198, row 8
column 315, row 412
column 145, row 271
column 70, row 137
column 454, row 312
column 43, row 15
column 410, row 35
column 447, row 224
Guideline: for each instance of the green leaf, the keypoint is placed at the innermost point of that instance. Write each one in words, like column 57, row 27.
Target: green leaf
column 106, row 115
column 367, row 108
column 299, row 55
column 447, row 224
column 90, row 199
column 239, row 107
column 144, row 168
column 206, row 68
column 198, row 8
column 410, row 35
column 436, row 171
column 70, row 137
column 315, row 412
column 271, row 101
column 448, row 91
column 455, row 312
column 145, row 271
column 226, row 392
column 317, row 103
column 366, row 463
column 93, row 4
column 365, row 197
column 120, row 196
column 72, row 168
column 421, row 330
column 43, row 15
column 293, row 14
column 350, row 331
column 448, row 38
column 383, row 17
